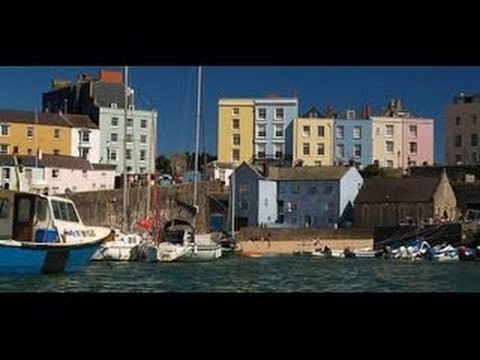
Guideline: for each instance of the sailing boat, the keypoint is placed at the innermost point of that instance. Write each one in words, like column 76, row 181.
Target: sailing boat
column 192, row 246
column 126, row 244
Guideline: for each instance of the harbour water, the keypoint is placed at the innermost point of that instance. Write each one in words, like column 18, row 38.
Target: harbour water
column 268, row 274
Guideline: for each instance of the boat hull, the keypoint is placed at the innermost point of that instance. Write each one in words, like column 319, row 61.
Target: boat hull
column 17, row 258
column 201, row 253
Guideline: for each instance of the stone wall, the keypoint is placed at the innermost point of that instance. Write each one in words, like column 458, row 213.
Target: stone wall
column 105, row 208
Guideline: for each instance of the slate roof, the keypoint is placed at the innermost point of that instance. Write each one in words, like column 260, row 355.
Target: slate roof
column 307, row 173
column 54, row 119
column 419, row 189
column 66, row 162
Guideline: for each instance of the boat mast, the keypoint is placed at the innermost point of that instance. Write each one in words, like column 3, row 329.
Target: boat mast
column 36, row 138
column 151, row 156
column 232, row 185
column 125, row 200
column 197, row 137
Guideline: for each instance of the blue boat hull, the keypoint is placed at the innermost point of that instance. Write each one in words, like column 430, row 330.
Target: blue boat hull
column 35, row 258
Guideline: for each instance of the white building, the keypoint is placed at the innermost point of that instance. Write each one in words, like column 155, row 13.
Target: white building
column 138, row 144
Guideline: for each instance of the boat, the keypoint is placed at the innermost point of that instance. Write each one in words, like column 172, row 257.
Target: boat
column 127, row 245
column 41, row 234
column 184, row 243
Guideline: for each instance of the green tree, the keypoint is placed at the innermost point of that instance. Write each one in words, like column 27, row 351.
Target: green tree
column 162, row 164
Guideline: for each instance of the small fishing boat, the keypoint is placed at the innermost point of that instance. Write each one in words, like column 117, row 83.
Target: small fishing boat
column 44, row 234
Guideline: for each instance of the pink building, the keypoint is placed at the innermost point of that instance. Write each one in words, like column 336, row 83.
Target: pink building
column 417, row 142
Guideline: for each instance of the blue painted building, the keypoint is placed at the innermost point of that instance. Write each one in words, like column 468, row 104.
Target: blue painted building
column 272, row 118
column 316, row 196
column 352, row 141
column 255, row 197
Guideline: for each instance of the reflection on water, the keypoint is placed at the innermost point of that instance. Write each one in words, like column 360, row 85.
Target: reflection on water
column 269, row 274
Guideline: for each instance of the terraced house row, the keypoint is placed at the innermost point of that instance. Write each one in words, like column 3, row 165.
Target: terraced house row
column 254, row 130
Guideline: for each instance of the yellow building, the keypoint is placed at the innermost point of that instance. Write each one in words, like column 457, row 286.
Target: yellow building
column 387, row 134
column 23, row 132
column 235, row 130
column 313, row 141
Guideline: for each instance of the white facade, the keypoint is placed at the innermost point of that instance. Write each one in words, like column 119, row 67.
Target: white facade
column 219, row 171
column 59, row 180
column 21, row 181
column 139, row 144
column 86, row 144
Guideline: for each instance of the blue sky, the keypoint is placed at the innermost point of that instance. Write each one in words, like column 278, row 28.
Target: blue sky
column 172, row 90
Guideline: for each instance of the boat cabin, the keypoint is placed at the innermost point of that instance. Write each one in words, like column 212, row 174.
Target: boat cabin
column 31, row 217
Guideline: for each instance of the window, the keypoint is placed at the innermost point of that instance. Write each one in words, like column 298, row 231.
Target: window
column 321, row 149
column 389, row 147
column 474, row 157
column 474, row 139
column 295, row 190
column 23, row 212
column 29, row 151
column 143, row 139
column 412, row 147
column 6, row 173
column 56, row 134
column 339, row 132
column 15, row 149
column 328, row 189
column 112, row 155
column 458, row 141
column 260, row 151
column 235, row 111
column 30, row 132
column 340, row 150
column 3, row 149
column 236, row 124
column 474, row 118
column 143, row 155
column 278, row 131
column 458, row 158
column 279, row 114
column 278, row 151
column 84, row 153
column 128, row 154
column 114, row 121
column 56, row 152
column 85, row 136
column 64, row 211
column 143, row 123
column 390, row 163
column 143, row 170
column 128, row 138
column 306, row 131
column 55, row 173
column 389, row 130
column 113, row 137
column 457, row 120
column 262, row 114
column 4, row 130
column 5, row 206
column 357, row 132
column 236, row 139
column 412, row 129
column 306, row 149
column 357, row 150
column 261, row 132
column 321, row 131
column 235, row 155
column 129, row 123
